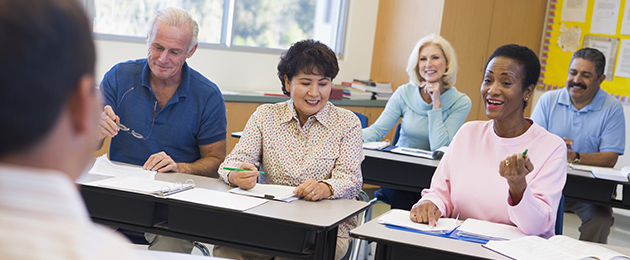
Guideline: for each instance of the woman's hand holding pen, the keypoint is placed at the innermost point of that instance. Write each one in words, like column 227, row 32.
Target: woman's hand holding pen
column 425, row 212
column 244, row 179
column 514, row 169
column 312, row 190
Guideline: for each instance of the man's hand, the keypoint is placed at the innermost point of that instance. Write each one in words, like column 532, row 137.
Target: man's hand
column 160, row 162
column 109, row 123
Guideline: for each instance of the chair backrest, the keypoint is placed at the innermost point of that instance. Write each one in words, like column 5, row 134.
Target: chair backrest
column 396, row 134
column 363, row 118
column 560, row 216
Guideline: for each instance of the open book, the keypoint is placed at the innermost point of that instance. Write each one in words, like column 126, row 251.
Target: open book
column 557, row 247
column 269, row 191
column 145, row 186
column 400, row 218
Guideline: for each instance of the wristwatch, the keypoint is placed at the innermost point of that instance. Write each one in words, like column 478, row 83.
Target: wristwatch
column 577, row 158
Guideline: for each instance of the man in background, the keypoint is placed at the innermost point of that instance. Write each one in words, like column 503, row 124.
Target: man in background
column 161, row 113
column 592, row 124
column 49, row 112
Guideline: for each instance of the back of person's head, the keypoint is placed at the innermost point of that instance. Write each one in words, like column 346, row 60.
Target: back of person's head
column 177, row 17
column 46, row 47
column 525, row 57
column 594, row 56
column 449, row 77
column 309, row 57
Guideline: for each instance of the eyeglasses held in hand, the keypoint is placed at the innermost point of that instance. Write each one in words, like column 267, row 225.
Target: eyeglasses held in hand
column 133, row 132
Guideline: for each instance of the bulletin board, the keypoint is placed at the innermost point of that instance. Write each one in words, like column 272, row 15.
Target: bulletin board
column 556, row 57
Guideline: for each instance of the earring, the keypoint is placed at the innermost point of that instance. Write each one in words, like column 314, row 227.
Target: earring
column 526, row 98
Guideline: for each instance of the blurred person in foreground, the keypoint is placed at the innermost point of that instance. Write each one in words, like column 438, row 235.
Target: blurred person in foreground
column 49, row 113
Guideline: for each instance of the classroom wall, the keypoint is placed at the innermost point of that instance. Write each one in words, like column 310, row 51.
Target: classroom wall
column 249, row 71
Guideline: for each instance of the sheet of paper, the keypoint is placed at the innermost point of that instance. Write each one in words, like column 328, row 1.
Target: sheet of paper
column 488, row 230
column 218, row 199
column 605, row 16
column 574, row 10
column 269, row 191
column 625, row 23
column 608, row 47
column 104, row 166
column 141, row 185
column 400, row 218
column 623, row 59
column 533, row 248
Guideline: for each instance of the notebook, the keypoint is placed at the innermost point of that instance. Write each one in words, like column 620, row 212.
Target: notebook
column 400, row 218
column 144, row 186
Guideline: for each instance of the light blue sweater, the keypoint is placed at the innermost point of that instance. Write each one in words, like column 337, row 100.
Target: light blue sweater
column 422, row 127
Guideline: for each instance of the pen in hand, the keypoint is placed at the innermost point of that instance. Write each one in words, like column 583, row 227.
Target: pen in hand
column 240, row 170
column 524, row 153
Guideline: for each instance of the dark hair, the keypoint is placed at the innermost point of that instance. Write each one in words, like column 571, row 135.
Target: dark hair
column 46, row 46
column 307, row 56
column 592, row 55
column 524, row 56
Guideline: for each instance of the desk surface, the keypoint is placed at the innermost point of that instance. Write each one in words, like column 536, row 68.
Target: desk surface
column 301, row 229
column 398, row 242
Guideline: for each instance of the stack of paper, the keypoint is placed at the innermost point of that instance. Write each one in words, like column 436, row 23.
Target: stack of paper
column 376, row 145
column 269, row 191
column 400, row 218
column 142, row 185
column 434, row 155
column 488, row 230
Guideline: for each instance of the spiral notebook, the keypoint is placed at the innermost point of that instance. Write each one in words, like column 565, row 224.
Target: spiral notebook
column 145, row 186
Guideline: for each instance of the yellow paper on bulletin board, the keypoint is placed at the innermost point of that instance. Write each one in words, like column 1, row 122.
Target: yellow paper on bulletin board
column 555, row 61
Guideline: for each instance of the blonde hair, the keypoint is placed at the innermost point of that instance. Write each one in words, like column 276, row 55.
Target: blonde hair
column 175, row 16
column 449, row 77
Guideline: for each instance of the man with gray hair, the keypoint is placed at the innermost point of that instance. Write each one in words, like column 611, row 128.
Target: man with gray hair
column 161, row 113
column 592, row 124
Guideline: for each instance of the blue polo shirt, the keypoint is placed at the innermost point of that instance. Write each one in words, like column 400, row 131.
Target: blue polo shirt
column 194, row 116
column 598, row 127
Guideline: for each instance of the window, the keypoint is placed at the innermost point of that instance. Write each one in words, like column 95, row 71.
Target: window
column 237, row 24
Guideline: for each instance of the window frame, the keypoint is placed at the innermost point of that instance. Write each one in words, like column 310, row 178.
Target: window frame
column 225, row 42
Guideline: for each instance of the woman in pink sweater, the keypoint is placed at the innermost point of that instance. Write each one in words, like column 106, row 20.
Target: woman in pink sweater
column 486, row 173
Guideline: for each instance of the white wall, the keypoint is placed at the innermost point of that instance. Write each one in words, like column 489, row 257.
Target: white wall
column 247, row 71
column 623, row 160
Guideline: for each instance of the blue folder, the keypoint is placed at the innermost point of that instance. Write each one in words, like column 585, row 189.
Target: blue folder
column 452, row 235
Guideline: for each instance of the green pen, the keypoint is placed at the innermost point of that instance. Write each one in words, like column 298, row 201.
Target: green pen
column 525, row 153
column 240, row 170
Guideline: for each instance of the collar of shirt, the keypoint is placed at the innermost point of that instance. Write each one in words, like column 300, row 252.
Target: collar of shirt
column 596, row 104
column 323, row 116
column 182, row 90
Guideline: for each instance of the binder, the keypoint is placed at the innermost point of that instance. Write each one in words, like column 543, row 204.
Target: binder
column 144, row 186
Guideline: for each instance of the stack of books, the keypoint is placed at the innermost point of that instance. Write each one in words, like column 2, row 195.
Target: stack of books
column 352, row 93
column 382, row 91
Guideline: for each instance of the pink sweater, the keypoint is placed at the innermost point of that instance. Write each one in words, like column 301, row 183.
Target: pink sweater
column 467, row 180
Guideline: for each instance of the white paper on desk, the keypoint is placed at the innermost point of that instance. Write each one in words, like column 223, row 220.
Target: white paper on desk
column 400, row 218
column 140, row 185
column 218, row 199
column 376, row 145
column 611, row 174
column 104, row 166
column 271, row 191
column 488, row 230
